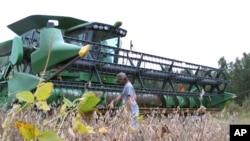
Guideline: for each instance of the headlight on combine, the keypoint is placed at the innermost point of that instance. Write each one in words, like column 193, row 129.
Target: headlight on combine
column 101, row 27
column 122, row 32
column 95, row 26
column 106, row 27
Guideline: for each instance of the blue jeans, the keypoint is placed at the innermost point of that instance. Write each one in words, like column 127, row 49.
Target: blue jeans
column 135, row 114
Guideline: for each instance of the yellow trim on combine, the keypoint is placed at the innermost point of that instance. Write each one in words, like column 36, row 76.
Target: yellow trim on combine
column 84, row 51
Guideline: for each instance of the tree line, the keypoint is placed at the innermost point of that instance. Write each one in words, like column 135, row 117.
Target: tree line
column 238, row 73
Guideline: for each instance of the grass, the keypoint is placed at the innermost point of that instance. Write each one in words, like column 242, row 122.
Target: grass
column 156, row 126
column 244, row 118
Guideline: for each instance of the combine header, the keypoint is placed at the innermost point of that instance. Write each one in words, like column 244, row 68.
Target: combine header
column 54, row 42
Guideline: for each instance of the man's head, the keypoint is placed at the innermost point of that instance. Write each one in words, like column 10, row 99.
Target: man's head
column 121, row 78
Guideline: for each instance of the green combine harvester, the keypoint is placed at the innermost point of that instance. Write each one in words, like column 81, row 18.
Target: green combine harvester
column 53, row 43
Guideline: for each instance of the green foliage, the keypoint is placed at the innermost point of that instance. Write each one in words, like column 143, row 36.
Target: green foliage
column 29, row 131
column 238, row 73
column 233, row 107
column 68, row 103
column 44, row 91
column 48, row 136
column 81, row 127
column 25, row 96
column 246, row 105
column 241, row 73
column 244, row 117
column 88, row 103
column 241, row 111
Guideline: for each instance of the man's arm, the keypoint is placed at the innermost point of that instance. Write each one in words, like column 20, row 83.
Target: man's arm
column 114, row 101
column 129, row 103
column 117, row 99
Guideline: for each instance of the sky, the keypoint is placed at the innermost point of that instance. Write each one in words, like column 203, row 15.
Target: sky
column 195, row 31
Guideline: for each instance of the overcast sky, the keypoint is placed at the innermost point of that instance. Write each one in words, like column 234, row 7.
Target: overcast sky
column 193, row 31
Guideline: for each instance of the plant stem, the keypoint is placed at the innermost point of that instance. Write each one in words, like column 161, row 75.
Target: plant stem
column 51, row 120
column 62, row 124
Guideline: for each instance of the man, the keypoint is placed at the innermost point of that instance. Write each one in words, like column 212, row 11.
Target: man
column 128, row 97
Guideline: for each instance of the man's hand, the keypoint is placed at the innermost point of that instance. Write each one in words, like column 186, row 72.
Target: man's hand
column 110, row 105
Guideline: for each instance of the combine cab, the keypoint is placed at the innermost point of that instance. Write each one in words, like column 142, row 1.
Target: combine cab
column 52, row 43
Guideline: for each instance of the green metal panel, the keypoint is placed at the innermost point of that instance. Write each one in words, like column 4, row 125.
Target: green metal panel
column 194, row 102
column 220, row 101
column 205, row 101
column 3, row 95
column 16, row 51
column 70, row 74
column 103, row 99
column 51, row 40
column 69, row 93
column 22, row 82
column 183, row 101
column 171, row 101
column 5, row 71
column 84, row 76
column 5, row 47
column 39, row 21
column 105, row 78
column 56, row 97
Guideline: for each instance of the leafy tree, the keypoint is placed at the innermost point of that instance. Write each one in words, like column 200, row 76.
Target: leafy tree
column 227, row 69
column 239, row 75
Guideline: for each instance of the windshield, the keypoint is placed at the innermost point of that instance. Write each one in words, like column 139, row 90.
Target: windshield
column 108, row 40
column 79, row 35
column 113, row 42
column 108, row 52
column 101, row 37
